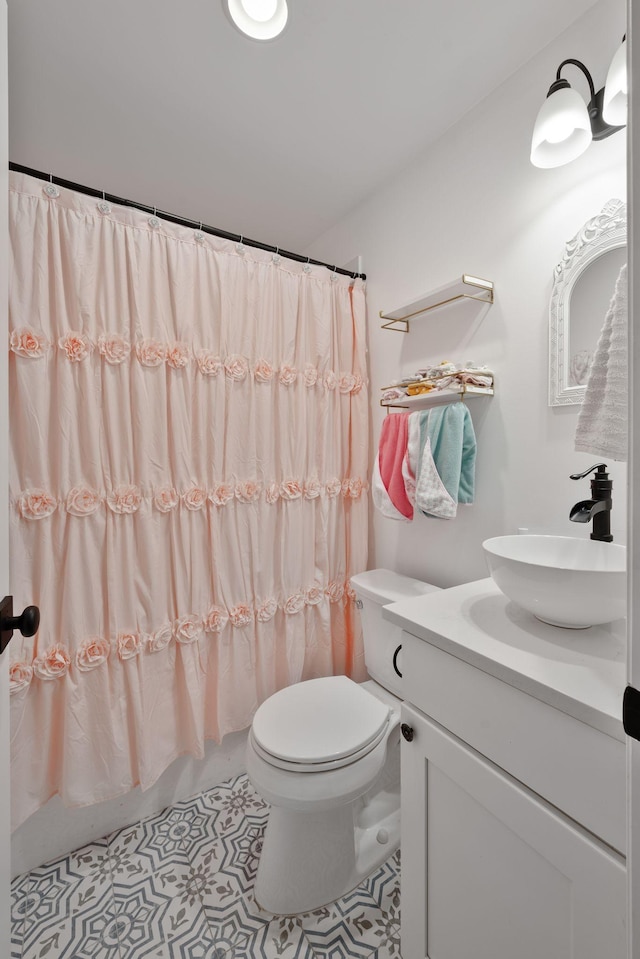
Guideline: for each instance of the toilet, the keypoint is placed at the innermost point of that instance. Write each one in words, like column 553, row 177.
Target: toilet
column 325, row 753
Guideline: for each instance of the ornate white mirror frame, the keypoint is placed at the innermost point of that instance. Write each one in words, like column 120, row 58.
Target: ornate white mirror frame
column 606, row 231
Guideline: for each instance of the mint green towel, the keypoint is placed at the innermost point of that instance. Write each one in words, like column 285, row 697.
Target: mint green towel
column 447, row 460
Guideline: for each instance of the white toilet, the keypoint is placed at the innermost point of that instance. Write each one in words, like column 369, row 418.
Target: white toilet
column 326, row 754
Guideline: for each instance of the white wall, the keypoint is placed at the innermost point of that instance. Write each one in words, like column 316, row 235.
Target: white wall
column 475, row 204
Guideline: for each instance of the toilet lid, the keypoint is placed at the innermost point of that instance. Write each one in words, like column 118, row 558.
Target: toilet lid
column 320, row 720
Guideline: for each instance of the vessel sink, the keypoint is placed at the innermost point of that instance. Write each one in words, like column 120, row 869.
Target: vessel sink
column 562, row 580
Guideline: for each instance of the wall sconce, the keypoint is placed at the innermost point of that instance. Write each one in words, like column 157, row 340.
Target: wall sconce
column 566, row 125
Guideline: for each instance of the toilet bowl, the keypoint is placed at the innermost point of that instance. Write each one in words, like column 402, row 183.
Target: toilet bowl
column 325, row 753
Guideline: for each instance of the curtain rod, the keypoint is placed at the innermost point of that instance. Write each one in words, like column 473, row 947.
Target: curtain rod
column 181, row 221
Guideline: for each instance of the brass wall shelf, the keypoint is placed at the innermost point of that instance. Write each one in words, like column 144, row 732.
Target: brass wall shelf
column 398, row 320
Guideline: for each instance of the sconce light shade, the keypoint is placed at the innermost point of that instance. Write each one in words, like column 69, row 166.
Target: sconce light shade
column 614, row 108
column 562, row 130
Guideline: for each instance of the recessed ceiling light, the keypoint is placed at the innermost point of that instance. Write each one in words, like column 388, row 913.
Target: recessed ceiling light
column 258, row 19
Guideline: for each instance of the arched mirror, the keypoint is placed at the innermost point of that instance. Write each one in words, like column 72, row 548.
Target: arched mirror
column 584, row 282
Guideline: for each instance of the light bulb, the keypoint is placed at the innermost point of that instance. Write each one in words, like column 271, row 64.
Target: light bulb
column 557, row 130
column 260, row 10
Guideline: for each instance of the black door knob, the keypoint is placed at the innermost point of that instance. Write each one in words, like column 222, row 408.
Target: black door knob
column 27, row 622
column 407, row 732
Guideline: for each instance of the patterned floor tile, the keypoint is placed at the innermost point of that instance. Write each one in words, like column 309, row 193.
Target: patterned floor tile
column 193, row 940
column 140, row 918
column 171, row 901
column 91, row 860
column 383, row 886
column 63, row 900
column 350, row 927
column 93, row 931
column 231, row 911
column 179, row 885
column 387, row 930
column 388, row 951
column 234, row 801
column 19, row 904
column 156, row 840
column 130, row 869
column 197, row 825
column 282, row 937
column 240, row 847
column 207, row 854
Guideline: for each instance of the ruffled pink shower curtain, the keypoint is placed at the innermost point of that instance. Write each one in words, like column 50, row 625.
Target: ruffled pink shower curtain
column 189, row 426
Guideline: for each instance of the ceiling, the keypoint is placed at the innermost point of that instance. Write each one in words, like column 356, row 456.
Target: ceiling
column 164, row 102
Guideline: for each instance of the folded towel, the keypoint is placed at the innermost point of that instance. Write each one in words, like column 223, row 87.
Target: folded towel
column 389, row 492
column 446, row 462
column 602, row 421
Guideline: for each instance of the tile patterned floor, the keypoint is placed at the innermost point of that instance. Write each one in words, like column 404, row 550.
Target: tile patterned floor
column 179, row 886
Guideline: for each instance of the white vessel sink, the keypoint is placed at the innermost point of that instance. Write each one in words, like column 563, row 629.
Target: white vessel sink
column 562, row 580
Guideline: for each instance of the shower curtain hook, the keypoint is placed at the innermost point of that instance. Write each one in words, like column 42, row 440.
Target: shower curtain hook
column 51, row 178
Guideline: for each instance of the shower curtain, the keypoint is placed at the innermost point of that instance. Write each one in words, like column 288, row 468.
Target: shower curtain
column 189, row 429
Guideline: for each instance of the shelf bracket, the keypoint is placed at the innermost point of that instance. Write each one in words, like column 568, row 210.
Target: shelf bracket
column 485, row 294
column 390, row 325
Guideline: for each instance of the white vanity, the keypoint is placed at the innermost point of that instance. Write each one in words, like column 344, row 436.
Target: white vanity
column 513, row 782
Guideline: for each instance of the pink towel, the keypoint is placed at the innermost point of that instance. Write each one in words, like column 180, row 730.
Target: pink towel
column 391, row 453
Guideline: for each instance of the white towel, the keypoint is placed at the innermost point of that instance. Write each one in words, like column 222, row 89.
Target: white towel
column 432, row 496
column 602, row 421
column 381, row 499
column 410, row 462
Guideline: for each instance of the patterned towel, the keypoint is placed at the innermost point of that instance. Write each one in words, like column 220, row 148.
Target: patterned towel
column 446, row 462
column 388, row 485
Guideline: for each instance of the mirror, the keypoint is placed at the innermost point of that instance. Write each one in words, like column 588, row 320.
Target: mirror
column 584, row 282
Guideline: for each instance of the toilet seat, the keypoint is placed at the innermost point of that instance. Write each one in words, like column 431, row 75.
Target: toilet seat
column 318, row 725
column 319, row 767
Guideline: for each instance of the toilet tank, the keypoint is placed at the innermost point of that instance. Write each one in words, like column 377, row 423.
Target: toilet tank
column 382, row 640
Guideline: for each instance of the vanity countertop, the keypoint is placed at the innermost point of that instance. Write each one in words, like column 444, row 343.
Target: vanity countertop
column 581, row 672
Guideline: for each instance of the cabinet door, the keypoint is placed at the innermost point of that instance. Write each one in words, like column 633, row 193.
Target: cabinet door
column 491, row 871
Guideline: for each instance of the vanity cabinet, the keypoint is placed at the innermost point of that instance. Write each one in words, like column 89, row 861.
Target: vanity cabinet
column 492, row 871
column 513, row 808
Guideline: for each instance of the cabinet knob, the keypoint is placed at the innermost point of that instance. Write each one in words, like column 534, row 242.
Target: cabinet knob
column 407, row 732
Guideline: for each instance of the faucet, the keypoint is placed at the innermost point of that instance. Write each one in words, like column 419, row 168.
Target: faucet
column 598, row 508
